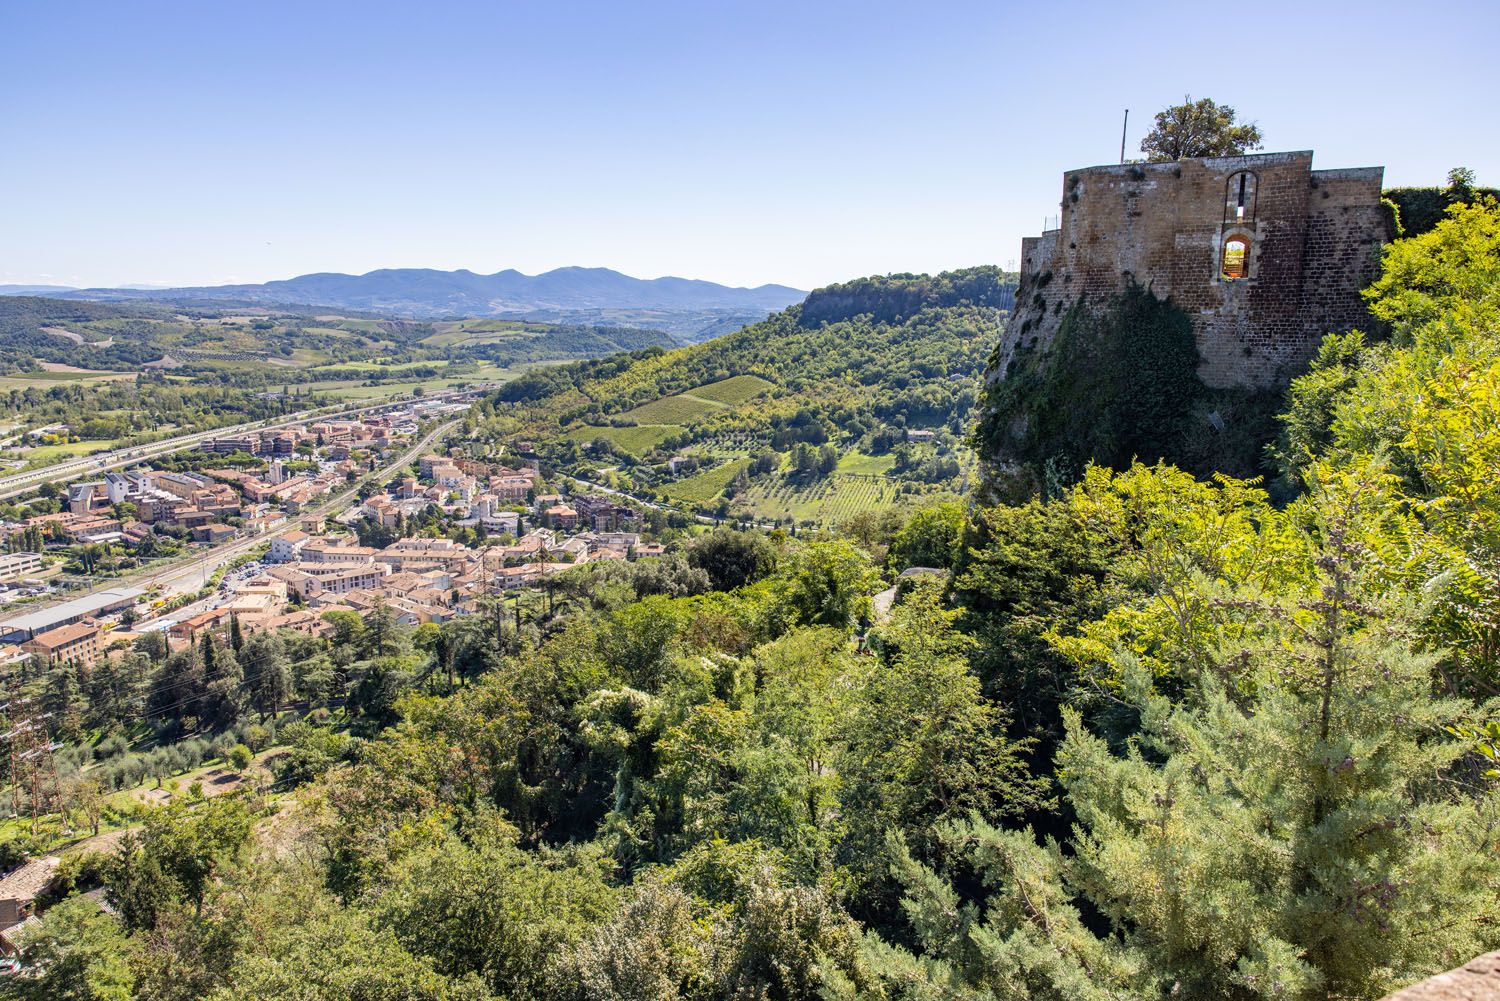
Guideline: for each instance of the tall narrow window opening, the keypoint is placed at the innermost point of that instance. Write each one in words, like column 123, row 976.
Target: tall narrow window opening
column 1235, row 263
column 1239, row 199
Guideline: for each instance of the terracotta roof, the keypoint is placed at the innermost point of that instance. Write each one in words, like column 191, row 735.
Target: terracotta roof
column 30, row 879
column 63, row 635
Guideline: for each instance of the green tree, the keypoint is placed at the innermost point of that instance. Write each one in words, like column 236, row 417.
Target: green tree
column 1033, row 572
column 1449, row 275
column 1424, row 409
column 931, row 537
column 379, row 688
column 239, row 757
column 1198, row 128
column 827, row 583
column 77, row 953
column 382, row 636
column 1280, row 838
column 922, row 744
column 175, row 857
column 732, row 559
column 298, row 942
column 490, row 909
column 655, row 946
column 267, row 671
column 223, row 684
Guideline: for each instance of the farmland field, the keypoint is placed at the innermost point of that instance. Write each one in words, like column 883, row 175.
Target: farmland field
column 860, row 464
column 734, row 390
column 825, row 502
column 687, row 407
column 671, row 410
column 636, row 440
column 481, row 332
column 374, row 366
column 29, row 379
column 704, row 487
column 308, row 356
column 345, row 390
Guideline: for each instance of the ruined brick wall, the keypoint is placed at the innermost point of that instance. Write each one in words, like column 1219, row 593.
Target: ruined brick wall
column 1314, row 239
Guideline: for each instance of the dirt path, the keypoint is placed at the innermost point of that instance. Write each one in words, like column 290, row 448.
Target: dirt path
column 76, row 338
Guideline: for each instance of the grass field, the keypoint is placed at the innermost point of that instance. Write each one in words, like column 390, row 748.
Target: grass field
column 671, row 410
column 45, row 454
column 375, row 366
column 482, row 332
column 734, row 390
column 860, row 464
column 636, row 440
column 705, row 487
column 685, row 408
column 344, row 390
column 363, row 326
column 308, row 356
column 57, row 378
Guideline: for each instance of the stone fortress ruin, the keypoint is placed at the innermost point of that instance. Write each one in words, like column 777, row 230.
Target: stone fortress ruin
column 1265, row 254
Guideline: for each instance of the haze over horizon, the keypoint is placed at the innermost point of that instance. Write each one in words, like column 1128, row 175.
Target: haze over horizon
column 157, row 286
column 775, row 143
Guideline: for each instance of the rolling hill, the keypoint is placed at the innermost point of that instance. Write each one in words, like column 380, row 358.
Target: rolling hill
column 804, row 415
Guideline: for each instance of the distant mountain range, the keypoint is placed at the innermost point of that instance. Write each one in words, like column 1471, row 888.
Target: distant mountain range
column 35, row 289
column 682, row 305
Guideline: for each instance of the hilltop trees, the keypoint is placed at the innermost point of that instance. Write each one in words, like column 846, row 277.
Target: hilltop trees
column 1198, row 128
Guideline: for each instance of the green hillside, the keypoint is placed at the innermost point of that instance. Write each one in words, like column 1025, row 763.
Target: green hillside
column 767, row 416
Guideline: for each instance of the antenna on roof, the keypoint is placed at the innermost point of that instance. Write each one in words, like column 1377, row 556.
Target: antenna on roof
column 1123, row 126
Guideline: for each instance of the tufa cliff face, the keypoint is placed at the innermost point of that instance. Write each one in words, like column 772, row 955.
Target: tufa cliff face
column 1265, row 254
column 1478, row 980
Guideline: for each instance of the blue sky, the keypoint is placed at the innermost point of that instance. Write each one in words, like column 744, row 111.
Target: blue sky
column 803, row 143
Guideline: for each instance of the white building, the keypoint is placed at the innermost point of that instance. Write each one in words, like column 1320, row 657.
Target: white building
column 287, row 547
column 14, row 566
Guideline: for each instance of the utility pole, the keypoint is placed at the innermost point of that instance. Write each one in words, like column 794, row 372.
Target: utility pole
column 1123, row 126
column 30, row 753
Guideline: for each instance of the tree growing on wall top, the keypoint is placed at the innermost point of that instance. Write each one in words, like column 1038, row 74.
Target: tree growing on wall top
column 1198, row 128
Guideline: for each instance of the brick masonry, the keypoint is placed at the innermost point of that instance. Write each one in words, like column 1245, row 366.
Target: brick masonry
column 1314, row 238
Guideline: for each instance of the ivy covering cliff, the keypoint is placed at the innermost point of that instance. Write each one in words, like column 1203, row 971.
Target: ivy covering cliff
column 1117, row 384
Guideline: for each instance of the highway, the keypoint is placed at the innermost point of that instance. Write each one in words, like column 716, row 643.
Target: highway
column 179, row 578
column 101, row 462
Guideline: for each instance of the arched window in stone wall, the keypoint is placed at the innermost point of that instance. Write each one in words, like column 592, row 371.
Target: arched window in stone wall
column 1239, row 199
column 1234, row 261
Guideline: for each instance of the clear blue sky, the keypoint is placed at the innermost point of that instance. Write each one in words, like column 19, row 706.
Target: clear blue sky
column 804, row 143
